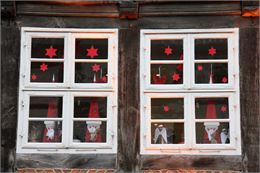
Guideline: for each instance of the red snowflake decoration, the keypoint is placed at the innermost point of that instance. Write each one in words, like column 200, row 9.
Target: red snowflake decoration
column 43, row 67
column 200, row 67
column 224, row 79
column 212, row 51
column 168, row 51
column 175, row 77
column 181, row 56
column 95, row 67
column 166, row 108
column 104, row 79
column 92, row 52
column 179, row 67
column 34, row 77
column 50, row 52
column 223, row 108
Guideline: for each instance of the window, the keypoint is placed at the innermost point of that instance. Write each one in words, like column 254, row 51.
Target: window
column 190, row 92
column 68, row 91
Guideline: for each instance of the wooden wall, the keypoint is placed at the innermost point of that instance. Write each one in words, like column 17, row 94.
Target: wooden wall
column 128, row 157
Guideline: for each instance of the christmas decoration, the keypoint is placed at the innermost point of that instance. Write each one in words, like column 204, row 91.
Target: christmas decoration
column 211, row 134
column 223, row 108
column 224, row 79
column 160, row 135
column 158, row 79
column 224, row 136
column 92, row 52
column 34, row 77
column 200, row 67
column 181, row 56
column 166, row 108
column 175, row 77
column 210, row 75
column 93, row 109
column 43, row 67
column 104, row 79
column 50, row 52
column 95, row 67
column 212, row 51
column 168, row 50
column 179, row 67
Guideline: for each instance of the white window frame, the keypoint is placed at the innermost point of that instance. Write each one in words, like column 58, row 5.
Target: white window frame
column 68, row 89
column 189, row 90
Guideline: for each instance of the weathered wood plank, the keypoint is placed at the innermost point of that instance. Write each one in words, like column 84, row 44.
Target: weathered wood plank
column 129, row 100
column 192, row 162
column 65, row 161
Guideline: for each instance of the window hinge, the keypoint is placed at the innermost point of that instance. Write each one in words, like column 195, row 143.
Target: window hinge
column 22, row 103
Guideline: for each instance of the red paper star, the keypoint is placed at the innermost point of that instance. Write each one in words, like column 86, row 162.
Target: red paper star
column 96, row 67
column 104, row 79
column 175, row 76
column 92, row 52
column 181, row 56
column 212, row 51
column 50, row 52
column 223, row 108
column 166, row 108
column 34, row 77
column 200, row 67
column 179, row 67
column 43, row 67
column 224, row 79
column 168, row 51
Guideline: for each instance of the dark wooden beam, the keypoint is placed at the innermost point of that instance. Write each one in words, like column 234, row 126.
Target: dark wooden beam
column 250, row 8
column 128, row 10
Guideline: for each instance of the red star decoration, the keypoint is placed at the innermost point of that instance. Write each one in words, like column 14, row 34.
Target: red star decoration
column 166, row 108
column 200, row 67
column 92, row 52
column 224, row 79
column 179, row 67
column 223, row 108
column 181, row 56
column 175, row 76
column 34, row 77
column 168, row 51
column 43, row 67
column 104, row 79
column 212, row 51
column 50, row 52
column 95, row 67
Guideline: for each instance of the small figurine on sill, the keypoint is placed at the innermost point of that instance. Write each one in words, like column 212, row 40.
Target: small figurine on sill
column 224, row 136
column 158, row 78
column 160, row 135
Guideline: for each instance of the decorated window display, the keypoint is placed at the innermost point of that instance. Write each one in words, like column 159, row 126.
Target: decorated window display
column 190, row 92
column 68, row 91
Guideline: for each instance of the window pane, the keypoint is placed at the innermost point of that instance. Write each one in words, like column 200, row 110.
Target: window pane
column 211, row 49
column 47, row 48
column 212, row 133
column 211, row 108
column 45, row 131
column 47, row 72
column 208, row 73
column 91, row 73
column 166, row 49
column 90, row 107
column 167, row 133
column 89, row 131
column 91, row 49
column 45, row 107
column 167, row 108
column 167, row 74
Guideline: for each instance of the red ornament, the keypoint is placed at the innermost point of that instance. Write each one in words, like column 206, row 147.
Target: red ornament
column 224, row 79
column 92, row 52
column 43, row 67
column 200, row 67
column 181, row 56
column 166, row 108
column 168, row 51
column 93, row 109
column 96, row 67
column 159, row 79
column 212, row 51
column 34, row 77
column 104, row 79
column 223, row 108
column 179, row 67
column 175, row 77
column 50, row 52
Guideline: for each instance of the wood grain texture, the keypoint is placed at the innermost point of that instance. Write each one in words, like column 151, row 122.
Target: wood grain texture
column 66, row 161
